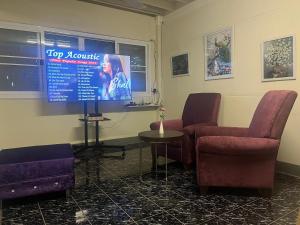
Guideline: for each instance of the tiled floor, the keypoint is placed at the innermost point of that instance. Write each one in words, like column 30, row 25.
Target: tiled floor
column 108, row 191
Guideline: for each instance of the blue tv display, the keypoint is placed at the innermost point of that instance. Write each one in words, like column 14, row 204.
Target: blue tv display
column 74, row 75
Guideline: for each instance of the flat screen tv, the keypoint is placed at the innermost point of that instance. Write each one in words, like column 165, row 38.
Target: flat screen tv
column 74, row 75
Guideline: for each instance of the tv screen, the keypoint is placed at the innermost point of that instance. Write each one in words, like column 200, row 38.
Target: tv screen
column 74, row 75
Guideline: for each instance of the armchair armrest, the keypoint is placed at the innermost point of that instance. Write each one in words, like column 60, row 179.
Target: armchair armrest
column 201, row 131
column 190, row 130
column 168, row 124
column 226, row 145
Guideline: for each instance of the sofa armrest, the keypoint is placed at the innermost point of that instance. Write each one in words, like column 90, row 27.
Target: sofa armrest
column 226, row 145
column 168, row 125
column 201, row 131
column 190, row 130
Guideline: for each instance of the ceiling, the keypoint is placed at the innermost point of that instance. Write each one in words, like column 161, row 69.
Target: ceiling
column 148, row 7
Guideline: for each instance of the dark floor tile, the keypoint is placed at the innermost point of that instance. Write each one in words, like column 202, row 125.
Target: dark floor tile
column 286, row 179
column 167, row 199
column 191, row 214
column 59, row 204
column 83, row 181
column 128, row 166
column 152, row 189
column 112, row 185
column 132, row 222
column 242, row 217
column 284, row 183
column 126, row 192
column 162, row 219
column 135, row 204
column 290, row 219
column 106, row 213
column 33, row 219
column 217, row 221
column 91, row 171
column 267, row 209
column 241, row 200
column 98, row 208
column 67, row 219
column 86, row 192
column 180, row 177
column 131, row 180
column 187, row 190
column 216, row 204
column 290, row 198
column 20, row 210
column 62, row 211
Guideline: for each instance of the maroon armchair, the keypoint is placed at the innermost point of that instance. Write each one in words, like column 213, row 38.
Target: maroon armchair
column 244, row 157
column 200, row 109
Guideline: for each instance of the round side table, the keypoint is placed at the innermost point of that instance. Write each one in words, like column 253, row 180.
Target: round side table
column 153, row 137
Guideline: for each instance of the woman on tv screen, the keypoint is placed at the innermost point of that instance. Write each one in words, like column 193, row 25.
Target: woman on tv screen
column 115, row 85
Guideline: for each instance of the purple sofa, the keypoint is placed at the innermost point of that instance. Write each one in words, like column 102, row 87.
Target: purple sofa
column 244, row 157
column 200, row 109
column 34, row 170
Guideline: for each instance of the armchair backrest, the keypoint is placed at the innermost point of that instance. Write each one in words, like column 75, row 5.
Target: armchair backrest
column 271, row 114
column 201, row 108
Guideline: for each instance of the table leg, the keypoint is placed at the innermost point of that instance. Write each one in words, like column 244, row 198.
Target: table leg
column 97, row 169
column 181, row 150
column 140, row 161
column 166, row 162
column 123, row 154
column 155, row 161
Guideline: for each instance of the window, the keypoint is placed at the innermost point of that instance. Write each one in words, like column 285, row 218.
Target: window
column 61, row 41
column 19, row 60
column 101, row 46
column 21, row 51
column 138, row 66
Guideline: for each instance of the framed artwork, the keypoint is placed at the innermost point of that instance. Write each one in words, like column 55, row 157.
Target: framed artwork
column 180, row 65
column 278, row 59
column 218, row 54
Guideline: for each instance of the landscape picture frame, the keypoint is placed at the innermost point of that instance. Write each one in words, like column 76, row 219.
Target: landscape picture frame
column 180, row 64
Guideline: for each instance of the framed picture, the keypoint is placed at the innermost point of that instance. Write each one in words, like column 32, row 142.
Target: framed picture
column 180, row 65
column 278, row 59
column 218, row 54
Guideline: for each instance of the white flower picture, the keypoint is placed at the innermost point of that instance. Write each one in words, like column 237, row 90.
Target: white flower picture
column 278, row 59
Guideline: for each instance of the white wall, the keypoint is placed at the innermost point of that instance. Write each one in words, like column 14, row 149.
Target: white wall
column 254, row 21
column 26, row 122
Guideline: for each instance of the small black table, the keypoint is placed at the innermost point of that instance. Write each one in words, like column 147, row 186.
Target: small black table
column 96, row 119
column 153, row 137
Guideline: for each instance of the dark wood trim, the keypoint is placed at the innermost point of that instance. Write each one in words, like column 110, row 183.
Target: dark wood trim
column 288, row 168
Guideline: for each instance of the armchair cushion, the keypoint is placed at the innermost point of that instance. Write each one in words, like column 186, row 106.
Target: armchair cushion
column 226, row 145
column 271, row 114
column 168, row 125
column 190, row 130
column 201, row 108
column 201, row 131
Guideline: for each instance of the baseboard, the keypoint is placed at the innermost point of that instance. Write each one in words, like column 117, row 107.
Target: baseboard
column 288, row 168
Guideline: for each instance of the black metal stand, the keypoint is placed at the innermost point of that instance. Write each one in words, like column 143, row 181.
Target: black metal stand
column 98, row 145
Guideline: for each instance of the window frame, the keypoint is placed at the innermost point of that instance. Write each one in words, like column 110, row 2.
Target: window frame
column 147, row 61
column 41, row 30
column 23, row 94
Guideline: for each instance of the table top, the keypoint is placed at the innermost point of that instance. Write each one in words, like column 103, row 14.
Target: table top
column 154, row 136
